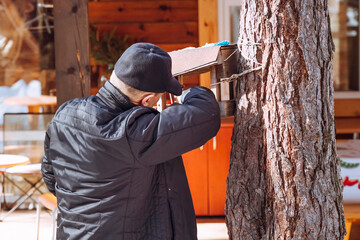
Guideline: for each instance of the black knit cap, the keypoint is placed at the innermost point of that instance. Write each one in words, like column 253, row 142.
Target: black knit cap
column 147, row 67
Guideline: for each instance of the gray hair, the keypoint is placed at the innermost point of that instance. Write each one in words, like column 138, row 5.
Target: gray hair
column 133, row 94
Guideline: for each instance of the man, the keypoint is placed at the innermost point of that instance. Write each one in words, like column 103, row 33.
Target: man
column 114, row 162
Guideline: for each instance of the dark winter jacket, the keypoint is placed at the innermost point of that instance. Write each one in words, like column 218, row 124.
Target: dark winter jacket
column 116, row 168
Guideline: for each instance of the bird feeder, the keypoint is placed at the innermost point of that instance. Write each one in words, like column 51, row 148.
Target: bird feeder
column 220, row 61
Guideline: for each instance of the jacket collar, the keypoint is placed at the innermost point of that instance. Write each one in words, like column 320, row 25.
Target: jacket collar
column 114, row 98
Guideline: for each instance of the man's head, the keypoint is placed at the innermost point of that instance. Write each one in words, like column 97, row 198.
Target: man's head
column 146, row 67
column 138, row 97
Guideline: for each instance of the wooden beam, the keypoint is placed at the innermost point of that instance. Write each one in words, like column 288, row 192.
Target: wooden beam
column 155, row 32
column 208, row 21
column 71, row 49
column 208, row 29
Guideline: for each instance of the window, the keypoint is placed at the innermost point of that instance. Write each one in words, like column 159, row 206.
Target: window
column 344, row 20
column 229, row 15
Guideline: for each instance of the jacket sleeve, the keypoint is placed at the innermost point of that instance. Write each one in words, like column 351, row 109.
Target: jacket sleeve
column 46, row 167
column 158, row 137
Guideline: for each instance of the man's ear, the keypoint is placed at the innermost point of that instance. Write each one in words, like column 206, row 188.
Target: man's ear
column 147, row 100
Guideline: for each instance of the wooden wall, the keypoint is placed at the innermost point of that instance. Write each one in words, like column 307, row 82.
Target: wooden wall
column 171, row 24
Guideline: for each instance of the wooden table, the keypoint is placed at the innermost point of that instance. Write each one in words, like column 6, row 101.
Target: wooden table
column 33, row 152
column 33, row 103
column 10, row 160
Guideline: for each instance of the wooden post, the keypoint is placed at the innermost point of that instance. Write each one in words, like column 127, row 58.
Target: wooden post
column 71, row 49
column 208, row 29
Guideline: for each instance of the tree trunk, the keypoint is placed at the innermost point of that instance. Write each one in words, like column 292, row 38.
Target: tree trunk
column 284, row 178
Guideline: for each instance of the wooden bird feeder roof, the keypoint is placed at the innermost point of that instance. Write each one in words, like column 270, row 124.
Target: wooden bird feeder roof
column 194, row 61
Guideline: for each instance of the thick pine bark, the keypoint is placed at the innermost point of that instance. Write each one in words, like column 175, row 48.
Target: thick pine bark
column 284, row 179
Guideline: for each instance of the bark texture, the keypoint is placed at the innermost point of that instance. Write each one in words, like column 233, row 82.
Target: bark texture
column 284, row 178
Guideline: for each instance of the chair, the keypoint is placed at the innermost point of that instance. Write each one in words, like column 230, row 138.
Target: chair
column 24, row 134
column 49, row 201
column 31, row 174
column 7, row 161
